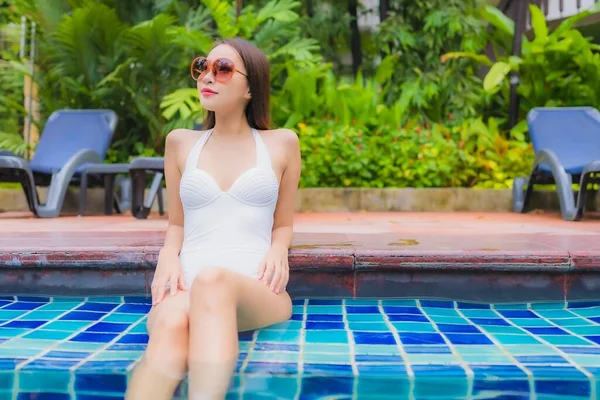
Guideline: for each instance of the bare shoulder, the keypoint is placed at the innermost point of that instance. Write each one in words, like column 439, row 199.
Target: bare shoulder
column 283, row 138
column 177, row 137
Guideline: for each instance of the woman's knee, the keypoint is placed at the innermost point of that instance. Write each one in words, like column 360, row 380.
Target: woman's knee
column 171, row 321
column 212, row 287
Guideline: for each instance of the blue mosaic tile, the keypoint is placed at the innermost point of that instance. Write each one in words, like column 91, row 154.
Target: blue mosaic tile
column 368, row 349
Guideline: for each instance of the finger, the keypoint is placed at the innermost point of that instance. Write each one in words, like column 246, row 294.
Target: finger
column 284, row 281
column 261, row 269
column 154, row 288
column 174, row 279
column 181, row 282
column 160, row 291
column 276, row 277
column 268, row 275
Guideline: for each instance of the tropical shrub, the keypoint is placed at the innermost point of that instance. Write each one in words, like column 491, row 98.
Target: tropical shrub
column 411, row 41
column 556, row 68
column 472, row 154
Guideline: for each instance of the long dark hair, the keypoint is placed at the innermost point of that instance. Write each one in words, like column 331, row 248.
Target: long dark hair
column 258, row 111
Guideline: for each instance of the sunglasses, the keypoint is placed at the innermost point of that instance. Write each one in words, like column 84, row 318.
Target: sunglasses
column 222, row 68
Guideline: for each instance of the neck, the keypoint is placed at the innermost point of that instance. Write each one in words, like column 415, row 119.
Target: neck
column 231, row 124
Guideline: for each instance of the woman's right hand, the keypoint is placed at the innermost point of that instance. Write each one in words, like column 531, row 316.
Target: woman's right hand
column 168, row 271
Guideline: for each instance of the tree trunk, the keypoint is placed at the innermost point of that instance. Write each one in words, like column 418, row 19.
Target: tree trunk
column 355, row 44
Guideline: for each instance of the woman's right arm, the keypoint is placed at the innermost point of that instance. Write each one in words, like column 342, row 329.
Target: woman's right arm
column 168, row 268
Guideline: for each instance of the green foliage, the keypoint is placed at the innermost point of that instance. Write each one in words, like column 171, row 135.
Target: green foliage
column 472, row 154
column 556, row 68
column 411, row 40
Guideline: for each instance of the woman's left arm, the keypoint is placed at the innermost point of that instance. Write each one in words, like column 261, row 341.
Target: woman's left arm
column 275, row 265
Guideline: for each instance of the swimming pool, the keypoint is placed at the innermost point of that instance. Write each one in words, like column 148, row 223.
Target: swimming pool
column 84, row 348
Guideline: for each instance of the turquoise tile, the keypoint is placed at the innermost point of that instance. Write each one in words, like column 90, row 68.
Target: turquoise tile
column 573, row 322
column 333, row 348
column 38, row 344
column 279, row 336
column 69, row 326
column 330, row 336
column 446, row 312
column 586, row 360
column 479, row 313
column 368, row 326
column 413, row 327
column 60, row 306
column 7, row 380
column 324, row 309
column 41, row 315
column 585, row 330
column 376, row 349
column 563, row 340
column 117, row 355
column 365, row 318
column 486, row 359
column 515, row 339
column 286, row 325
column 81, row 346
column 502, row 329
column 6, row 315
column 19, row 352
column 106, row 299
column 42, row 381
column 122, row 317
column 271, row 356
column 586, row 312
column 511, row 306
column 478, row 349
column 558, row 313
column 456, row 388
column 439, row 319
column 298, row 309
column 361, row 302
column 533, row 349
column 68, row 299
column 398, row 302
column 530, row 322
column 139, row 328
column 417, row 358
column 548, row 306
column 320, row 358
column 12, row 332
column 245, row 346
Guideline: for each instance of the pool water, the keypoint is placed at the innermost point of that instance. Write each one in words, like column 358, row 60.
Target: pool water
column 85, row 348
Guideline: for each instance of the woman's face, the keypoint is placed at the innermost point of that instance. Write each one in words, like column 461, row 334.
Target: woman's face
column 220, row 95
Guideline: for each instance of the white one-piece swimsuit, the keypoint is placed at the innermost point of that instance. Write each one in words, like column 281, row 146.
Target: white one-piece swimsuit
column 228, row 229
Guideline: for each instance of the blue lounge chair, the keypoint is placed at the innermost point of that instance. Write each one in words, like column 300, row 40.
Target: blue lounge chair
column 566, row 142
column 70, row 140
column 138, row 168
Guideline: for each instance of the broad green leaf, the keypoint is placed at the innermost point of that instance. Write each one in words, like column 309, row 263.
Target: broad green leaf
column 538, row 22
column 386, row 68
column 496, row 75
column 498, row 19
column 481, row 58
column 280, row 10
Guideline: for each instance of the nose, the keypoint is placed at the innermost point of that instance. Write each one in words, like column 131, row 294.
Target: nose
column 208, row 78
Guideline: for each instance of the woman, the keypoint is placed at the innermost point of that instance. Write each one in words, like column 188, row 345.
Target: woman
column 223, row 267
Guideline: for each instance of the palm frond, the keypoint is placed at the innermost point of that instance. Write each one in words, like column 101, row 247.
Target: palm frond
column 223, row 12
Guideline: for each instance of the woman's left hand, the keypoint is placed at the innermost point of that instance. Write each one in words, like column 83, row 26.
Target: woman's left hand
column 274, row 269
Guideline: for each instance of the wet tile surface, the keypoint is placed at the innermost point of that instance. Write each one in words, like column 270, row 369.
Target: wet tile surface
column 373, row 349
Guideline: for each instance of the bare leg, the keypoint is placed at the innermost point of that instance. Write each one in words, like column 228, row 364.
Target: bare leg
column 221, row 304
column 164, row 362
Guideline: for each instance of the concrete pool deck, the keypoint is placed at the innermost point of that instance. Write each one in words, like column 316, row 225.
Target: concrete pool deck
column 466, row 256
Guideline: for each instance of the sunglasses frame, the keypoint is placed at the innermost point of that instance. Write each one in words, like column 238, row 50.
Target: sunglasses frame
column 211, row 66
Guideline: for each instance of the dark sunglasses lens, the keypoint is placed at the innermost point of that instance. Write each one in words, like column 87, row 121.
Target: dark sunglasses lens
column 223, row 68
column 199, row 68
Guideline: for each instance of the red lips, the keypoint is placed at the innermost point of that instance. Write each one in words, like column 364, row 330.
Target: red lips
column 208, row 91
